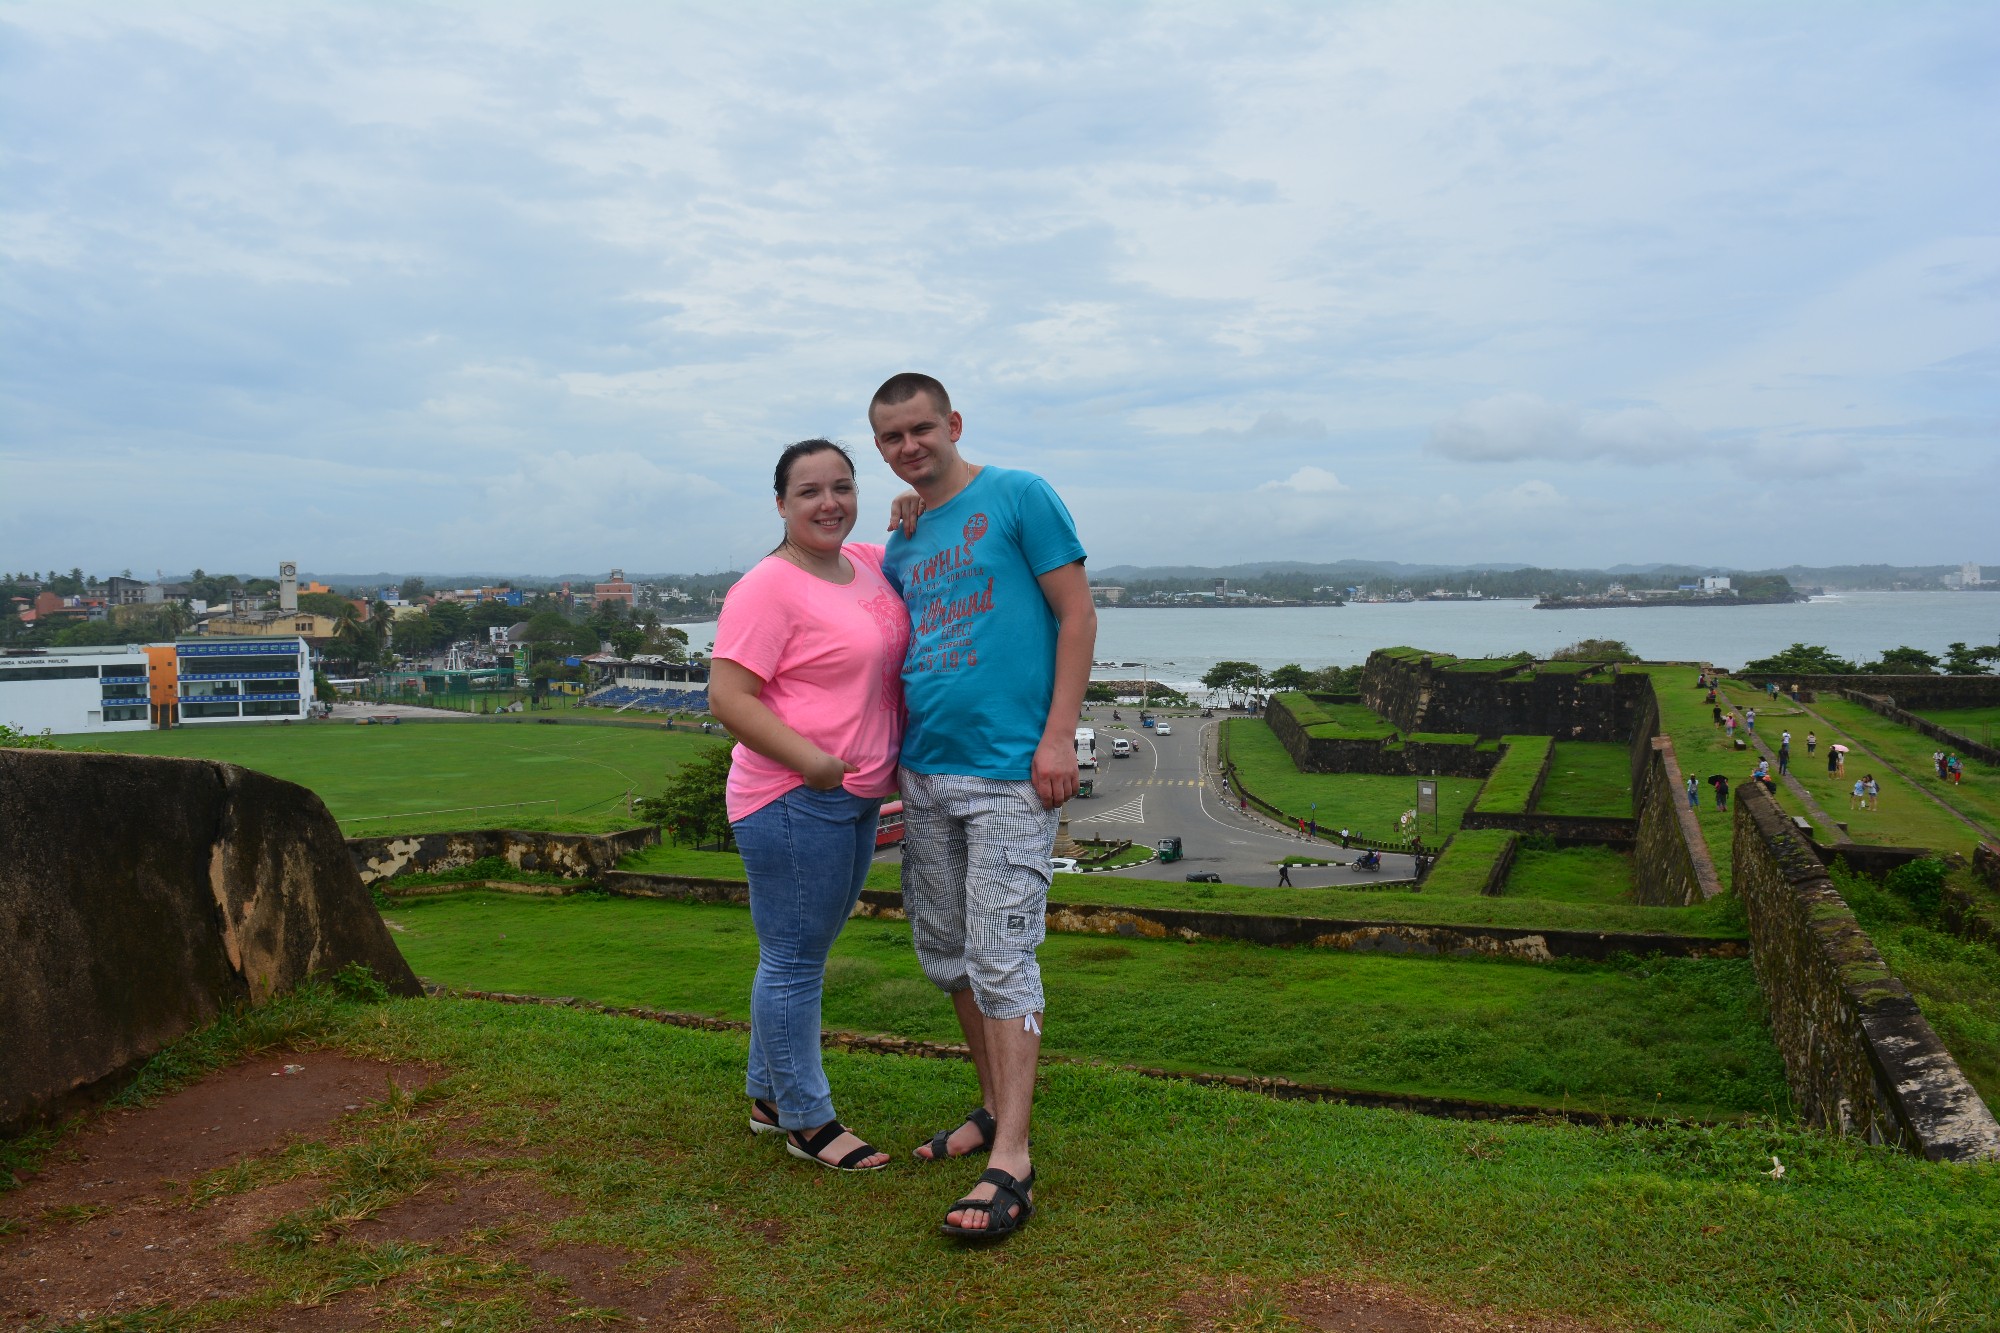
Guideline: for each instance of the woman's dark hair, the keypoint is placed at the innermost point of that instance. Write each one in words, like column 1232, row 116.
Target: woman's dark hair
column 782, row 478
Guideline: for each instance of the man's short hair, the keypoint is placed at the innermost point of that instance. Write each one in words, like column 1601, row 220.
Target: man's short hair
column 902, row 388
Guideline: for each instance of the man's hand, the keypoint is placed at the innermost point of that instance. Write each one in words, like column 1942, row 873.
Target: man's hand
column 826, row 772
column 903, row 512
column 1054, row 770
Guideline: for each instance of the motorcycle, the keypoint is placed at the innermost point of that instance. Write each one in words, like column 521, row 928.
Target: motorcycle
column 1369, row 860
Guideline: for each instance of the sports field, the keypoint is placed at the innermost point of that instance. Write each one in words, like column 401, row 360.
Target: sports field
column 430, row 776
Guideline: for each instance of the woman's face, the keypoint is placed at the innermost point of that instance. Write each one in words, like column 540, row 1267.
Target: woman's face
column 820, row 503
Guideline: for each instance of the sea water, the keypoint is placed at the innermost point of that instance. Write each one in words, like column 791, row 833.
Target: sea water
column 1176, row 645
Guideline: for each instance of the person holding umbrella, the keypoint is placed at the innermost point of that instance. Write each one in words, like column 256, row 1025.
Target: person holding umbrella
column 1838, row 755
column 1721, row 785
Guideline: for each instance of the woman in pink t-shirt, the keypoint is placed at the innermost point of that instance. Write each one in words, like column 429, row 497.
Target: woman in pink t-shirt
column 807, row 675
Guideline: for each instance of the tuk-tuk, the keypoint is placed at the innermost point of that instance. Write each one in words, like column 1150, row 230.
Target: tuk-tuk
column 1170, row 849
column 1085, row 786
column 1145, row 719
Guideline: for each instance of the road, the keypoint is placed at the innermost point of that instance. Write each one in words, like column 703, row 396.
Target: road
column 1169, row 786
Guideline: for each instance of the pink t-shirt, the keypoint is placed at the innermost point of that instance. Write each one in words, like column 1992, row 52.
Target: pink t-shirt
column 831, row 659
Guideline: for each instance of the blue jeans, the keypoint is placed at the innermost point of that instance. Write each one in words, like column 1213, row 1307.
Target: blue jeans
column 806, row 855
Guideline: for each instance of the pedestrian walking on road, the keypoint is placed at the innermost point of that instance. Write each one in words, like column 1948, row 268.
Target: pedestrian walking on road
column 1312, row 830
column 1284, row 874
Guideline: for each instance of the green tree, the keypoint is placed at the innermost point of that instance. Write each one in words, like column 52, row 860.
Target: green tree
column 694, row 807
column 1291, row 676
column 1234, row 679
column 452, row 619
column 325, row 604
column 1804, row 660
column 1959, row 660
column 1595, row 650
column 1903, row 661
column 627, row 642
column 1338, row 680
column 412, row 588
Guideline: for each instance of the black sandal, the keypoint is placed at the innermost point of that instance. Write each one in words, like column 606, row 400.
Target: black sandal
column 980, row 1118
column 770, row 1126
column 798, row 1145
column 999, row 1223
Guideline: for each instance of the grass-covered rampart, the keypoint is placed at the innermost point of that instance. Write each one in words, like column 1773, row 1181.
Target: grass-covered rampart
column 1678, row 1034
column 1467, row 864
column 1161, row 1205
column 1511, row 785
column 1588, row 778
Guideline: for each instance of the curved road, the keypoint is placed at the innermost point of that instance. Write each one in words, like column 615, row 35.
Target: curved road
column 1169, row 786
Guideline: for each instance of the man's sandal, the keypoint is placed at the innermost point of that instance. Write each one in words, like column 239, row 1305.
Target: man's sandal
column 809, row 1149
column 940, row 1145
column 1000, row 1223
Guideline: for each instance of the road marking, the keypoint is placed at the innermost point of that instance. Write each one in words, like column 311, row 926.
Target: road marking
column 1132, row 812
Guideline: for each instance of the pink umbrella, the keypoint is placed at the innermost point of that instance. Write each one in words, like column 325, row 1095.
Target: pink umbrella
column 1841, row 748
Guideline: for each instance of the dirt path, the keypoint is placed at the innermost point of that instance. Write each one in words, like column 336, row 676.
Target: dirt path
column 128, row 1214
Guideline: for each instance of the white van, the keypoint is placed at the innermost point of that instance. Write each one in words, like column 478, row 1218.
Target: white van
column 1121, row 748
column 1086, row 748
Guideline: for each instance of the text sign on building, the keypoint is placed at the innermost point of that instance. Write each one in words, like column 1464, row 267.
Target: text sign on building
column 1427, row 796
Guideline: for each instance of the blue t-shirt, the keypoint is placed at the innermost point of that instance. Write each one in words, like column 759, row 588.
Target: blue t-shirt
column 982, row 660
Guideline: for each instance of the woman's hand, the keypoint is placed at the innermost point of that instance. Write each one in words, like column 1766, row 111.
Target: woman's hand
column 903, row 511
column 826, row 772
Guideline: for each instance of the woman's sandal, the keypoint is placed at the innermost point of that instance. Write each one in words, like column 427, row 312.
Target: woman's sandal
column 769, row 1125
column 798, row 1145
column 940, row 1145
column 1000, row 1223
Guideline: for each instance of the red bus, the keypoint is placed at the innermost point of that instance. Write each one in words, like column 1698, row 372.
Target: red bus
column 889, row 826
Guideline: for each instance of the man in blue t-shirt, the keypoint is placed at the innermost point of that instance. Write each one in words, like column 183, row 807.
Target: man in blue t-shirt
column 1001, row 634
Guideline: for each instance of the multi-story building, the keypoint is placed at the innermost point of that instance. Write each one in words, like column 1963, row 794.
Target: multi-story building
column 71, row 690
column 616, row 590
column 248, row 677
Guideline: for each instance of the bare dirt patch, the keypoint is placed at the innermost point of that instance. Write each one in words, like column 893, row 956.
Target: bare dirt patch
column 105, row 1226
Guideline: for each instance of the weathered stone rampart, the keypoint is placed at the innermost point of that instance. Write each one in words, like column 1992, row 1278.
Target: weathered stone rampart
column 573, row 855
column 141, row 896
column 1392, row 758
column 1417, row 695
column 1667, row 869
column 1858, row 1055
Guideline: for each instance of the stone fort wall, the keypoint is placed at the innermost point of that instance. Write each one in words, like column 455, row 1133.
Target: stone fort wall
column 1858, row 1055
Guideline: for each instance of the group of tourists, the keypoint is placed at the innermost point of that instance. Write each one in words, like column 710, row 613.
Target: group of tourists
column 1950, row 768
column 948, row 664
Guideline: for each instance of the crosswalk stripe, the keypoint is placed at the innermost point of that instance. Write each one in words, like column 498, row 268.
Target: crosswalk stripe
column 1132, row 812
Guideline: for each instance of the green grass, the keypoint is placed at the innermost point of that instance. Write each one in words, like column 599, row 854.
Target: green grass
column 1437, row 738
column 1512, row 780
column 1713, row 919
column 1588, row 778
column 1467, row 862
column 1157, row 1200
column 1366, row 803
column 1571, row 875
column 1341, row 721
column 1955, row 982
column 1568, row 668
column 1905, row 817
column 575, row 776
column 1682, row 1036
column 1488, row 665
column 1979, row 724
column 1700, row 750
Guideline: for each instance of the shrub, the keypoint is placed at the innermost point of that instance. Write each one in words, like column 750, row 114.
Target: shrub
column 1920, row 884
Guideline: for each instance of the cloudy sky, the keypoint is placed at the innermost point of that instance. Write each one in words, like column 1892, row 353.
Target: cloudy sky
column 546, row 287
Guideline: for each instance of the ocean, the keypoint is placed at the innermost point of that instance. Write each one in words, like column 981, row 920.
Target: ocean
column 1178, row 645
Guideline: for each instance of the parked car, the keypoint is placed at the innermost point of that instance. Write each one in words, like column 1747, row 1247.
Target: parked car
column 1063, row 865
column 1204, row 877
column 1162, row 729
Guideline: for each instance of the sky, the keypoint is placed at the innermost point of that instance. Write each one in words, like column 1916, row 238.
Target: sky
column 545, row 288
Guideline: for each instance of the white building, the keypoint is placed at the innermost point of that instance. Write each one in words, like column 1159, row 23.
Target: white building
column 1968, row 576
column 74, row 690
column 1714, row 585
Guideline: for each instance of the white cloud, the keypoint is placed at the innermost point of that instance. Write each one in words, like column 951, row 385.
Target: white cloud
column 1512, row 427
column 1308, row 480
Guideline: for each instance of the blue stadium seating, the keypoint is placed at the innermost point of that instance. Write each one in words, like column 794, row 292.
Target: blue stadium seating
column 649, row 699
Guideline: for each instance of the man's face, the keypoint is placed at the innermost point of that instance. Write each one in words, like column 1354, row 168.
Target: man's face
column 918, row 442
